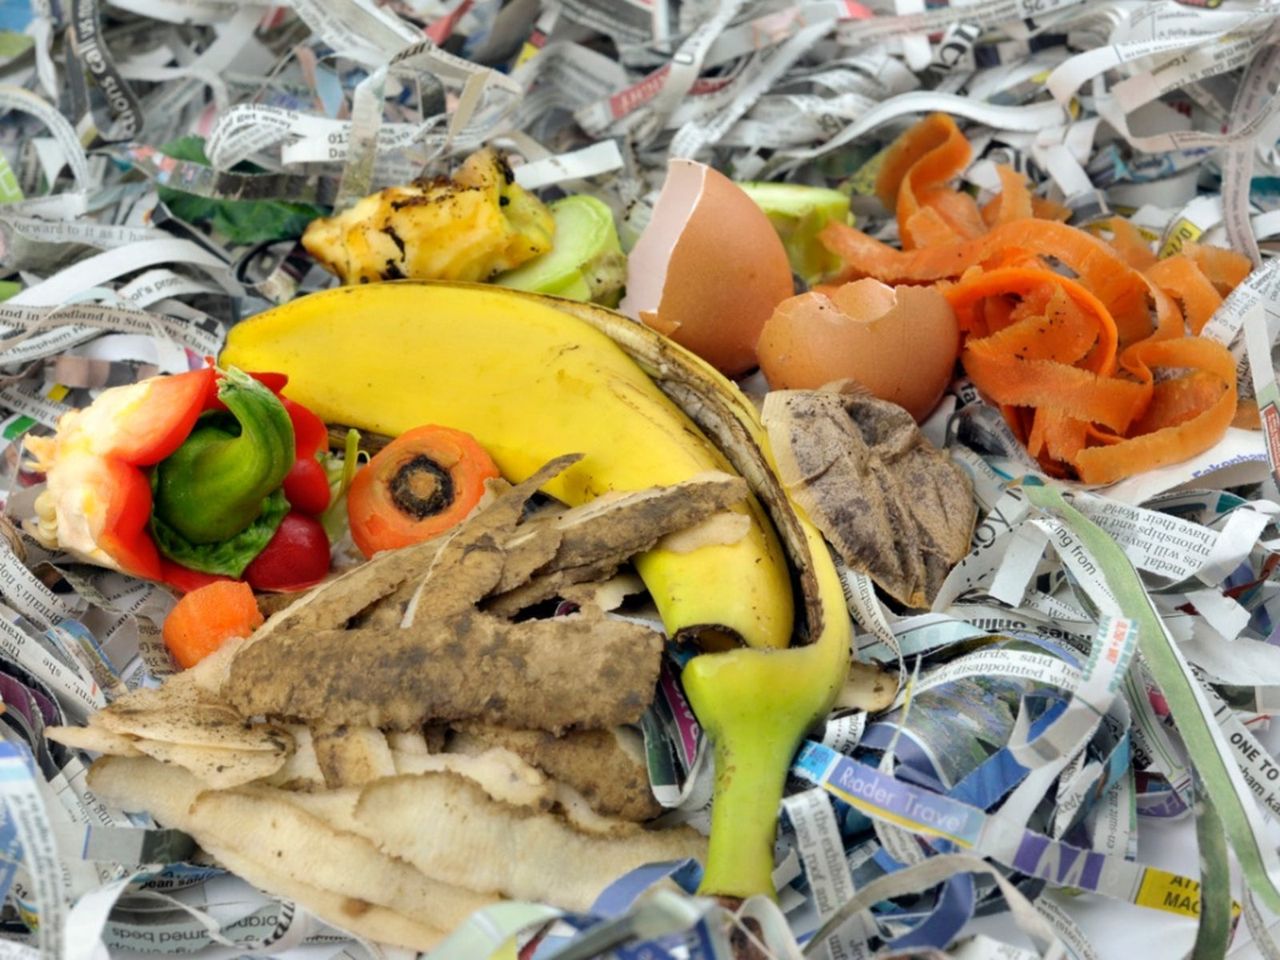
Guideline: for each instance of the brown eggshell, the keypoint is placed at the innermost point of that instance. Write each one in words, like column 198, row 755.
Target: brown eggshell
column 709, row 269
column 900, row 343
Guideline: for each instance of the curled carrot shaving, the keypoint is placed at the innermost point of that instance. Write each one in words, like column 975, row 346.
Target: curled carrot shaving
column 1038, row 383
column 1096, row 265
column 1054, row 328
column 1060, row 362
column 1181, row 278
column 1043, row 208
column 930, row 153
column 1225, row 269
column 1064, row 436
column 1194, row 433
column 1130, row 244
column 1248, row 416
column 955, row 213
column 1013, row 202
column 1015, row 280
column 928, row 227
column 913, row 178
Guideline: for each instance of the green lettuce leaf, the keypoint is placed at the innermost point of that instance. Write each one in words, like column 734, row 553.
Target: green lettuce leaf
column 239, row 221
column 228, row 557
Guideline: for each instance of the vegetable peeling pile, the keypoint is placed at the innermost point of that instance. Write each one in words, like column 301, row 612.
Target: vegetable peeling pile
column 690, row 480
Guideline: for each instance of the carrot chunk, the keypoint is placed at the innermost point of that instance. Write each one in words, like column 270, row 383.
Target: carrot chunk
column 206, row 618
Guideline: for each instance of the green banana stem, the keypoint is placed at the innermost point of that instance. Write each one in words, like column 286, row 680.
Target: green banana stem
column 757, row 706
column 752, row 754
column 213, row 487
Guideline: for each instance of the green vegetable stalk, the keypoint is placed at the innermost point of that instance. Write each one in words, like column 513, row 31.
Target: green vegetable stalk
column 216, row 484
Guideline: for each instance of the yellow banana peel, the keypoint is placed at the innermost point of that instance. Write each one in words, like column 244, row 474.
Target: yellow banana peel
column 534, row 377
column 755, row 705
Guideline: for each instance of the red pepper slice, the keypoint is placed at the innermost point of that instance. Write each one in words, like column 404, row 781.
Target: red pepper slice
column 275, row 382
column 154, row 428
column 124, row 521
column 134, row 427
column 184, row 579
column 310, row 435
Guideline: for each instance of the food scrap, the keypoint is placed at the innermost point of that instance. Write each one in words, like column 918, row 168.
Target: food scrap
column 309, row 702
column 585, row 261
column 187, row 478
column 708, row 269
column 450, row 660
column 900, row 343
column 561, row 380
column 471, row 226
column 417, row 487
column 854, row 592
column 207, row 617
column 889, row 502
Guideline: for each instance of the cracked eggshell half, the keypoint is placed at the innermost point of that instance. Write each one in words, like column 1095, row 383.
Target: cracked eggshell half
column 900, row 343
column 709, row 269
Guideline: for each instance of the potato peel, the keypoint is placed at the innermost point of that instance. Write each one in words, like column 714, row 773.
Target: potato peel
column 481, row 844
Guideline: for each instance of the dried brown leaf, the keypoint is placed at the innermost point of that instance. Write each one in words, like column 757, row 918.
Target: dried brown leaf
column 893, row 505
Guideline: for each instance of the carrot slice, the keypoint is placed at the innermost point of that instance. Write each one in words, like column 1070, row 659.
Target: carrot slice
column 1248, row 416
column 1056, row 436
column 963, row 295
column 1033, row 302
column 1060, row 330
column 1065, row 436
column 422, row 483
column 1225, row 269
column 1181, row 278
column 1014, row 200
column 959, row 211
column 1043, row 383
column 912, row 179
column 208, row 617
column 1178, row 400
column 935, row 134
column 1043, row 208
column 927, row 227
column 996, row 314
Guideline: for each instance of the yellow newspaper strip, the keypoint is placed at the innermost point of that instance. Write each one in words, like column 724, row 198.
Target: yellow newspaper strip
column 1183, row 231
column 1162, row 890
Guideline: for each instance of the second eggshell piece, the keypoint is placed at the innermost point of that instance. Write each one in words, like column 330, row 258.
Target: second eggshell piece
column 900, row 343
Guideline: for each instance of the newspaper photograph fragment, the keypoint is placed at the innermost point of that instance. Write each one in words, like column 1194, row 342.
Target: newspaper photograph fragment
column 672, row 479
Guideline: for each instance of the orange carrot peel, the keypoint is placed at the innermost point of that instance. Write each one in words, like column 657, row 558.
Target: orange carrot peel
column 1071, row 361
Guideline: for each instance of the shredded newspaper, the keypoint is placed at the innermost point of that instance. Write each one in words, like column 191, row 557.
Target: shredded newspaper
column 1078, row 760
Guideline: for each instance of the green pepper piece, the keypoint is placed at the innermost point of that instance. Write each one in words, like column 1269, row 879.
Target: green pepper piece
column 214, row 486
